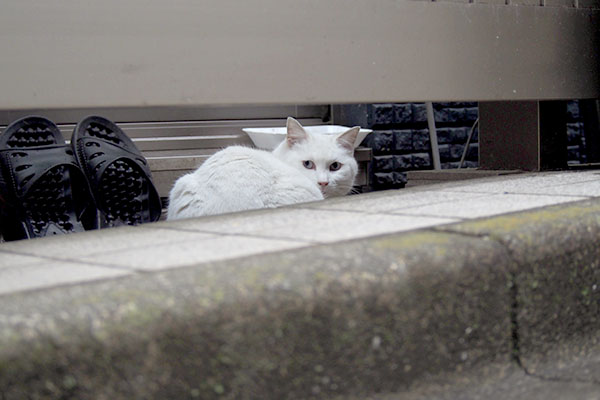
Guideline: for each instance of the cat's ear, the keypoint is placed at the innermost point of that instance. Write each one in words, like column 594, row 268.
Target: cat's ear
column 295, row 132
column 347, row 139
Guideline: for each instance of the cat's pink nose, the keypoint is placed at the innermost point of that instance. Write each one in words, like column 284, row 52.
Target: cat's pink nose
column 323, row 183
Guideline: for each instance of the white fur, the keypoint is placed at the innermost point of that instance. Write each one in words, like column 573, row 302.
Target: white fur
column 240, row 178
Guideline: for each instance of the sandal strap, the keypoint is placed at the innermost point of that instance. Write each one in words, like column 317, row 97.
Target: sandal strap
column 97, row 154
column 98, row 157
column 26, row 165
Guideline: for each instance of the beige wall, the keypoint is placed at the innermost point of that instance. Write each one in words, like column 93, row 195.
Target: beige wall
column 142, row 53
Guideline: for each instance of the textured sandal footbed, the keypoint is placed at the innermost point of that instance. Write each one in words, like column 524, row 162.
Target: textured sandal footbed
column 119, row 176
column 37, row 177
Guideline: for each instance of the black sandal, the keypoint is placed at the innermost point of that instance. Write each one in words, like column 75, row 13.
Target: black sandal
column 118, row 174
column 42, row 189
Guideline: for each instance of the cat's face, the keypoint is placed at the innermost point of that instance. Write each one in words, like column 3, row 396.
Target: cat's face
column 325, row 159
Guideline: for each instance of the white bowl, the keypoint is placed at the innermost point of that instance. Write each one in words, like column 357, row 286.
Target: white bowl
column 269, row 138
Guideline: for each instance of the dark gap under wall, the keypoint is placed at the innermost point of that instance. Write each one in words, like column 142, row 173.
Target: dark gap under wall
column 400, row 138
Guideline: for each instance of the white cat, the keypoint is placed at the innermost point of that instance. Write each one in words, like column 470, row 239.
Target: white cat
column 304, row 167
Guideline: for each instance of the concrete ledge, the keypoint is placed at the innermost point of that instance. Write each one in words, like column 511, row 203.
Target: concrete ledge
column 461, row 304
column 556, row 275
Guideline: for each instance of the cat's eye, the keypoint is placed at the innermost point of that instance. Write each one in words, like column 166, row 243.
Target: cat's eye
column 308, row 164
column 335, row 166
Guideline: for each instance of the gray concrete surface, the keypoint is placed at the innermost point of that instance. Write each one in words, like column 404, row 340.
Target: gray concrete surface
column 389, row 295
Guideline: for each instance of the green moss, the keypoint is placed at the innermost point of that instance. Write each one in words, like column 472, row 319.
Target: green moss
column 552, row 215
column 415, row 240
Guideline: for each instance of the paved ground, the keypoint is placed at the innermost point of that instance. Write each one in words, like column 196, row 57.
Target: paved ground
column 483, row 237
column 27, row 265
